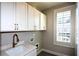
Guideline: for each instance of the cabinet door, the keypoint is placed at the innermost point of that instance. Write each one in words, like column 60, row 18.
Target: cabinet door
column 42, row 22
column 36, row 19
column 26, row 18
column 7, row 16
column 30, row 18
column 21, row 18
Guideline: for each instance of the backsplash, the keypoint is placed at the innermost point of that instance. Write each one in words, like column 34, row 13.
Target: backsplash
column 7, row 38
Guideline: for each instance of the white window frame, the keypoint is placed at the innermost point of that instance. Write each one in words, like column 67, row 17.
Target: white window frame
column 72, row 8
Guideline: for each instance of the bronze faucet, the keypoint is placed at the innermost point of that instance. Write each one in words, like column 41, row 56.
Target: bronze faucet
column 14, row 40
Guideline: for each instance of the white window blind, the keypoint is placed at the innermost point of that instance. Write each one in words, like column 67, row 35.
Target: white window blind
column 63, row 26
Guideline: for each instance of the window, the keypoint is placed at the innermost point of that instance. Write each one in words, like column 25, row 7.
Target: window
column 64, row 26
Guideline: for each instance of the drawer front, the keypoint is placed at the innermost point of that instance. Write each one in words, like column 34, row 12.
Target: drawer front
column 32, row 53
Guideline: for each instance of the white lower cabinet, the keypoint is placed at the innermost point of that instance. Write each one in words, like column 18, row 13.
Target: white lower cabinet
column 32, row 53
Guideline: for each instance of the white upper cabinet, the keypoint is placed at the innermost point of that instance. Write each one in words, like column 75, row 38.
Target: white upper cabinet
column 36, row 19
column 7, row 16
column 30, row 18
column 42, row 21
column 21, row 16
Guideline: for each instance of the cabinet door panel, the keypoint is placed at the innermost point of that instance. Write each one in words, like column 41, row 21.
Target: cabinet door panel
column 7, row 16
column 43, row 22
column 21, row 16
column 30, row 18
column 26, row 25
column 36, row 19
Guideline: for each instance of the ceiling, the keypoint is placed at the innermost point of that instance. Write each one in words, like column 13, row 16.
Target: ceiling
column 44, row 5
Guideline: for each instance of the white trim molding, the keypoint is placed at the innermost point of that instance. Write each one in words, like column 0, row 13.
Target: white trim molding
column 52, row 52
column 70, row 44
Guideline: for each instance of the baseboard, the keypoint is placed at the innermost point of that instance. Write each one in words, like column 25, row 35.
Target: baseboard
column 52, row 52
